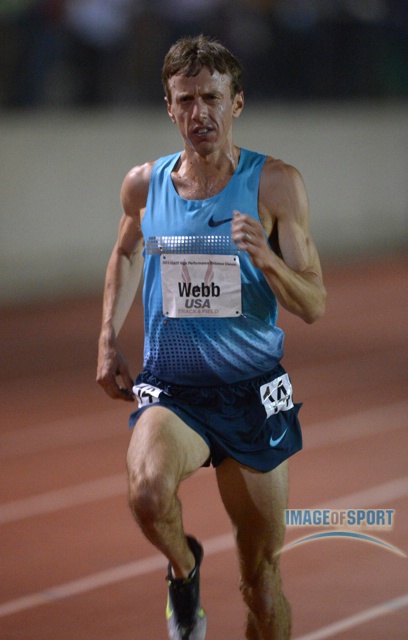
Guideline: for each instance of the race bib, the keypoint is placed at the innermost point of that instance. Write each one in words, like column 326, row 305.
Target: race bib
column 201, row 286
column 277, row 395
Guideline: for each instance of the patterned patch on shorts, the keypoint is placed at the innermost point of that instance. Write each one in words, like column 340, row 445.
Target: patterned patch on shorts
column 146, row 394
column 277, row 395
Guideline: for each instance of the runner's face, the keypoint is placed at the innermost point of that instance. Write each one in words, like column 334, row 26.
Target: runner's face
column 203, row 109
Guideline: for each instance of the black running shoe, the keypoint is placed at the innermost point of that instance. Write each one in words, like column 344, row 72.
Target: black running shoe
column 186, row 619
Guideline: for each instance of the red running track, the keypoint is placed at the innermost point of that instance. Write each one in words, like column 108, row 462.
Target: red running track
column 73, row 564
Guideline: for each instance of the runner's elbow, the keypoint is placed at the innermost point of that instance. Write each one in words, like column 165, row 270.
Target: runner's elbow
column 317, row 310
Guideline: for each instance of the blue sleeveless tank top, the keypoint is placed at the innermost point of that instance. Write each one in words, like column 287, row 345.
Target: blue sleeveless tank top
column 206, row 351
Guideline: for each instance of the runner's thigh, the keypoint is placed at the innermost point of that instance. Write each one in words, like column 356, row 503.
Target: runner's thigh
column 161, row 441
column 256, row 504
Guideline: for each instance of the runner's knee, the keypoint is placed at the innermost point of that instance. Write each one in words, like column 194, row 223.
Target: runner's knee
column 261, row 588
column 150, row 494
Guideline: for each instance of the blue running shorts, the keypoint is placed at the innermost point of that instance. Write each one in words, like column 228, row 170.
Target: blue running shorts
column 254, row 422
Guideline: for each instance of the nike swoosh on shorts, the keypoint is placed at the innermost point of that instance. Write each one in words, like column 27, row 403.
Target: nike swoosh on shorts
column 217, row 223
column 274, row 443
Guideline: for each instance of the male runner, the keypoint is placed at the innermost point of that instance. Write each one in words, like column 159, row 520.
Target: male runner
column 222, row 234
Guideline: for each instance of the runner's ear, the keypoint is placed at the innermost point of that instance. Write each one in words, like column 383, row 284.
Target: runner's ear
column 238, row 104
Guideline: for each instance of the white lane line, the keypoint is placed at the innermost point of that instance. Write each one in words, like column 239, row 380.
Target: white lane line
column 73, row 496
column 383, row 609
column 364, row 424
column 357, row 425
column 88, row 583
column 146, row 566
column 109, row 424
column 113, row 486
column 379, row 495
column 135, row 569
column 62, row 433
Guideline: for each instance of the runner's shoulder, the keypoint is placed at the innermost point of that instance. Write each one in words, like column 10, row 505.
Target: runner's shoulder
column 135, row 186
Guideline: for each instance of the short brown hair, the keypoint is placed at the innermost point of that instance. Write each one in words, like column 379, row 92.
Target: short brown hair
column 190, row 54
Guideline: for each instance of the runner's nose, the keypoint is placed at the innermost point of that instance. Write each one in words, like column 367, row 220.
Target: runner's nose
column 200, row 112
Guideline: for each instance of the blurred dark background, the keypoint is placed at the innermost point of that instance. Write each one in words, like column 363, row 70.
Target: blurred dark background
column 68, row 53
column 81, row 102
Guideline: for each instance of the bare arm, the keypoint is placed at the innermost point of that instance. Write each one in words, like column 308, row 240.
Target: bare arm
column 121, row 283
column 296, row 278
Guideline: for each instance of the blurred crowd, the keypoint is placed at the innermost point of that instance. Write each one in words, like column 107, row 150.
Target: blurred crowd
column 110, row 52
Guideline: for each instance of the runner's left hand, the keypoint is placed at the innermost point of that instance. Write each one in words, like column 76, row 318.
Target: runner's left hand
column 249, row 235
